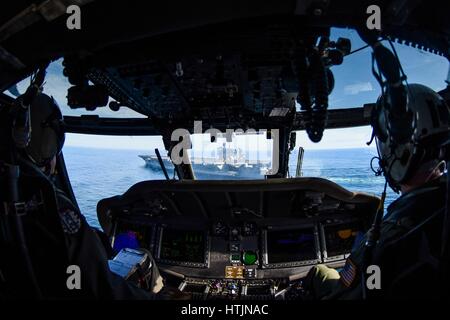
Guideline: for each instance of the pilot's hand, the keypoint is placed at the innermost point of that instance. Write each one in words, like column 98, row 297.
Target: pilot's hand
column 168, row 293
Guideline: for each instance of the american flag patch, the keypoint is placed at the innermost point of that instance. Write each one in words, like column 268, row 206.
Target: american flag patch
column 348, row 273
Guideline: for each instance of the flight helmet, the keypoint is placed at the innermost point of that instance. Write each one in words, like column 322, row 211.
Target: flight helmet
column 47, row 134
column 430, row 121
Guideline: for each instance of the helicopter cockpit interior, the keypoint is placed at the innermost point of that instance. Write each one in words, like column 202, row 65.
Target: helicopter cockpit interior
column 232, row 66
column 230, row 239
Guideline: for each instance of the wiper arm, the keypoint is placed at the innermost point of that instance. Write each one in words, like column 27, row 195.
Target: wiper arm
column 161, row 163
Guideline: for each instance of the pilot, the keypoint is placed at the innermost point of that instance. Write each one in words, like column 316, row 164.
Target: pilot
column 86, row 246
column 408, row 248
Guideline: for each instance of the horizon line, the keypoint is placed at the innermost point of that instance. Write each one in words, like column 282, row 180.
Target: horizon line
column 139, row 149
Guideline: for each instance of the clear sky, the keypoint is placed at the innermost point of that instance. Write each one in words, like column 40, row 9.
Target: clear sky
column 354, row 86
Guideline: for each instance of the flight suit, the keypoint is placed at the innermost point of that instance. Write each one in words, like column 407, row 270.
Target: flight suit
column 413, row 263
column 86, row 250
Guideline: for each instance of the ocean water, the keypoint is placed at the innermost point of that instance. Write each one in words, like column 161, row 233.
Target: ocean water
column 99, row 173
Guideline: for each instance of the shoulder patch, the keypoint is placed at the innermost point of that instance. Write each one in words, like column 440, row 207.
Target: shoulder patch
column 348, row 273
column 70, row 221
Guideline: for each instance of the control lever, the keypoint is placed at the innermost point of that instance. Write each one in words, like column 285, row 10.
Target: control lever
column 281, row 295
column 295, row 291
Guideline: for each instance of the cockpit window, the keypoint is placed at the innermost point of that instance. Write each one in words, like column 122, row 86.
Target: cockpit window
column 342, row 157
column 241, row 156
column 355, row 84
column 105, row 166
column 56, row 85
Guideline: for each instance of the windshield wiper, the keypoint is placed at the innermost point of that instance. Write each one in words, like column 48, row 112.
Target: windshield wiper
column 161, row 163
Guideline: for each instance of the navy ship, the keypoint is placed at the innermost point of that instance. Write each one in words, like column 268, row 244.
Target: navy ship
column 231, row 163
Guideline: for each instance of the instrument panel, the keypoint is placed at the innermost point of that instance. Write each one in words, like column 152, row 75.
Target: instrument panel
column 239, row 250
column 277, row 234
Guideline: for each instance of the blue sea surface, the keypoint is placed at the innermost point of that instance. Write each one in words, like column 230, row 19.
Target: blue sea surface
column 100, row 173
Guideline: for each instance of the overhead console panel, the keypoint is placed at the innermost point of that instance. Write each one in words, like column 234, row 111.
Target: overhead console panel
column 225, row 71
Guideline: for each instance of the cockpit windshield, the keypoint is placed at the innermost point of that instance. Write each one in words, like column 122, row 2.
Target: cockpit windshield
column 238, row 156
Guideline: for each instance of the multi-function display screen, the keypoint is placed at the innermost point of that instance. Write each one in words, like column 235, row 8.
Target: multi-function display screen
column 132, row 236
column 341, row 238
column 183, row 246
column 284, row 246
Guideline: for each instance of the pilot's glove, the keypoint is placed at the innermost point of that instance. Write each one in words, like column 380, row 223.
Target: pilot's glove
column 320, row 282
